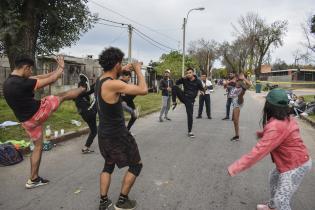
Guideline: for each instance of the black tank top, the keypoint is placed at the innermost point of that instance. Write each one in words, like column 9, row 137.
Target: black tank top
column 111, row 116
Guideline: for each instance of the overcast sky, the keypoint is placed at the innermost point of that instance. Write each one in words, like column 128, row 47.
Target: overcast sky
column 162, row 21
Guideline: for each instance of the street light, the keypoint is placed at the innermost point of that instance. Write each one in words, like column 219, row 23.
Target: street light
column 184, row 34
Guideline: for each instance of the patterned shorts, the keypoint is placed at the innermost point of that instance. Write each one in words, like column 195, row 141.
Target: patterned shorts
column 34, row 126
column 235, row 103
column 121, row 150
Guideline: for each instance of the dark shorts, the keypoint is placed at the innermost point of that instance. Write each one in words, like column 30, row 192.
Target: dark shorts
column 121, row 150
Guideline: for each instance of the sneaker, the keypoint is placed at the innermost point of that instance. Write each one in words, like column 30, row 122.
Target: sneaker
column 263, row 207
column 191, row 135
column 174, row 106
column 198, row 117
column 87, row 151
column 84, row 81
column 166, row 118
column 104, row 205
column 137, row 111
column 235, row 138
column 160, row 119
column 210, row 118
column 125, row 204
column 226, row 118
column 39, row 181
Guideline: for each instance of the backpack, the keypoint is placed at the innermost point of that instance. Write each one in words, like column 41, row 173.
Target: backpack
column 9, row 155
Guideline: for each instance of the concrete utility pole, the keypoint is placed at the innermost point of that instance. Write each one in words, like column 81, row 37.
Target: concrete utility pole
column 129, row 44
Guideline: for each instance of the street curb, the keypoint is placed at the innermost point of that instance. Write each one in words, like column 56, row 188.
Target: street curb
column 63, row 138
column 309, row 121
column 73, row 134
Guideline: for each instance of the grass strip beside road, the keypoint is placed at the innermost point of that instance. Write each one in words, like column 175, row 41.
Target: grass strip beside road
column 61, row 119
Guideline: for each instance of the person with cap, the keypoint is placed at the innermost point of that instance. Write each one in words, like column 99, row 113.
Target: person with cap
column 281, row 138
column 166, row 85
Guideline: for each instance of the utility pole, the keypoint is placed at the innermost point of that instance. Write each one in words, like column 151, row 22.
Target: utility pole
column 129, row 44
column 183, row 60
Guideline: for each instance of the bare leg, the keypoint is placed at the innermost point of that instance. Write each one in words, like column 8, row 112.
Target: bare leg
column 36, row 158
column 71, row 94
column 105, row 180
column 236, row 117
column 127, row 183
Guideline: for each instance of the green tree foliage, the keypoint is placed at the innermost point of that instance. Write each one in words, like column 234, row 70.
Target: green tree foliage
column 173, row 61
column 29, row 26
column 219, row 73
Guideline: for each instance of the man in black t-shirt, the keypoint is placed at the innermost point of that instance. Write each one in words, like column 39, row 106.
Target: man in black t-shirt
column 18, row 90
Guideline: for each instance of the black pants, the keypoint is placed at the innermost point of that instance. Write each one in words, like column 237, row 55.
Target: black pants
column 228, row 106
column 189, row 104
column 204, row 99
column 89, row 116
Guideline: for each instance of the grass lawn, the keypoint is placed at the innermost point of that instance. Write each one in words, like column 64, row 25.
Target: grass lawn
column 309, row 98
column 66, row 112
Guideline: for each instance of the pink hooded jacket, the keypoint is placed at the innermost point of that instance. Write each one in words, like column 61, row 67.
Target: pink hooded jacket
column 282, row 139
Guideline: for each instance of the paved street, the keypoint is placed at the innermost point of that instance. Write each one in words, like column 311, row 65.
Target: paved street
column 178, row 173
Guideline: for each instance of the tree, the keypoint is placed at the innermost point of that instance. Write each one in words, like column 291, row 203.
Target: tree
column 279, row 65
column 261, row 37
column 309, row 33
column 204, row 52
column 173, row 61
column 28, row 27
column 235, row 55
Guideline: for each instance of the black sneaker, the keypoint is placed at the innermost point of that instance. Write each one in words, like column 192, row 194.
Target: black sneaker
column 198, row 117
column 87, row 151
column 210, row 118
column 166, row 118
column 235, row 138
column 105, row 204
column 84, row 81
column 191, row 135
column 39, row 181
column 174, row 106
column 226, row 118
column 125, row 204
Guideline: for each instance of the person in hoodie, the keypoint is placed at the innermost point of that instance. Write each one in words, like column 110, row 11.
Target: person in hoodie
column 166, row 85
column 281, row 138
column 191, row 86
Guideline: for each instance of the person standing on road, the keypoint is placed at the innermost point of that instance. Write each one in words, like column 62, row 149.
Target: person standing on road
column 166, row 85
column 281, row 138
column 229, row 85
column 205, row 98
column 85, row 104
column 117, row 145
column 237, row 95
column 18, row 91
column 191, row 87
column 127, row 101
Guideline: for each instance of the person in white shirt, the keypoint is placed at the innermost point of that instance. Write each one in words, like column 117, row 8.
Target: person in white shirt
column 205, row 98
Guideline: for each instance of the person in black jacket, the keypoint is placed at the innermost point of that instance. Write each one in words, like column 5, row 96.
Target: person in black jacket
column 191, row 87
column 86, row 108
column 166, row 85
column 127, row 101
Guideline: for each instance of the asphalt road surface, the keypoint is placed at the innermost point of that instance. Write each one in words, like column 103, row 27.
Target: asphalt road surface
column 178, row 173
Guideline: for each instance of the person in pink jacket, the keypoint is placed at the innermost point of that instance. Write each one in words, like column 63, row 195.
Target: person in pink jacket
column 281, row 138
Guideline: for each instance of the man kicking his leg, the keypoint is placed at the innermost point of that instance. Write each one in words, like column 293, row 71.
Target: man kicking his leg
column 18, row 92
column 191, row 87
column 117, row 145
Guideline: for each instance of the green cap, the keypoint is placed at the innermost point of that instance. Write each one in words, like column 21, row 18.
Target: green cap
column 278, row 97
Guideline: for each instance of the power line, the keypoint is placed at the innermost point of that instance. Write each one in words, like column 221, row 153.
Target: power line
column 112, row 21
column 117, row 13
column 144, row 38
column 110, row 25
column 118, row 37
column 153, row 39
